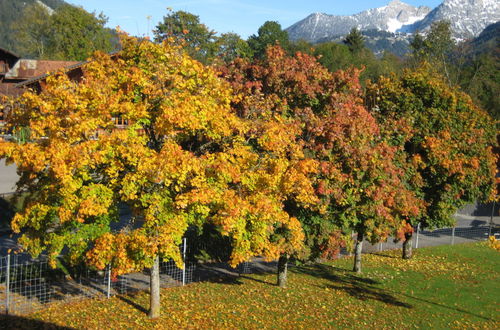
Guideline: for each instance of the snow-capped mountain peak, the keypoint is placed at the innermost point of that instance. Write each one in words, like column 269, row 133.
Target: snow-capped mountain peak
column 467, row 17
column 390, row 18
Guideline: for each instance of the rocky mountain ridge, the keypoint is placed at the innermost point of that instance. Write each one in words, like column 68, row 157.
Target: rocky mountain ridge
column 468, row 19
column 389, row 18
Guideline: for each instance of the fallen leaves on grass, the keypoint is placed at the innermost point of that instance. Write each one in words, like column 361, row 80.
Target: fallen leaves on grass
column 319, row 296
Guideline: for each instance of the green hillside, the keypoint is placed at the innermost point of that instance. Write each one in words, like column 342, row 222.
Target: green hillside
column 10, row 11
column 488, row 41
column 480, row 76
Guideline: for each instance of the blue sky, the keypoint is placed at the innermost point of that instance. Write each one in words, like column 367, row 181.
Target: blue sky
column 242, row 17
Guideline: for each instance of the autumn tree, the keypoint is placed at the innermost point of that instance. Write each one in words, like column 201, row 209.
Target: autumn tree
column 359, row 187
column 183, row 160
column 445, row 144
column 434, row 48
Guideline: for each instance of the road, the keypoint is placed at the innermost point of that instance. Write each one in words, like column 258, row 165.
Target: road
column 8, row 177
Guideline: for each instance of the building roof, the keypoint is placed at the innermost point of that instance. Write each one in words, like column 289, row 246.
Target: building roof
column 9, row 53
column 70, row 65
column 27, row 69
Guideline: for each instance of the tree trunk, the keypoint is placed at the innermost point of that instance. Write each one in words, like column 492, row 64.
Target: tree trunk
column 407, row 246
column 357, row 253
column 154, row 297
column 282, row 270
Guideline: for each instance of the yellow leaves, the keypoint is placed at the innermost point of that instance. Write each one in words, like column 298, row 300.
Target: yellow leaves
column 33, row 215
column 6, row 148
column 96, row 200
column 184, row 156
column 494, row 243
column 279, row 135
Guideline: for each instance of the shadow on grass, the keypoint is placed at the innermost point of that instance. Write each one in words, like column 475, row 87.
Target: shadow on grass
column 132, row 303
column 18, row 322
column 358, row 287
column 386, row 255
column 226, row 279
column 258, row 280
column 448, row 307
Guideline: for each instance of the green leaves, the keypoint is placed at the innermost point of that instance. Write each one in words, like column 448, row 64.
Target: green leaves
column 447, row 141
column 69, row 33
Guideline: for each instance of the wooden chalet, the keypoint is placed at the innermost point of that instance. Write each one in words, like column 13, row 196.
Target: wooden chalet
column 17, row 74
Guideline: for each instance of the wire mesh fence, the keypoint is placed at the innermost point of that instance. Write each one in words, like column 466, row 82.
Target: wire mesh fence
column 443, row 236
column 24, row 284
column 27, row 285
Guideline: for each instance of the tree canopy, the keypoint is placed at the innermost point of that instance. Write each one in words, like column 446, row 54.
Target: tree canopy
column 186, row 28
column 354, row 40
column 359, row 186
column 445, row 139
column 269, row 34
column 183, row 160
column 68, row 33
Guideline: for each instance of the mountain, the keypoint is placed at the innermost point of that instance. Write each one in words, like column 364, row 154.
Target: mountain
column 390, row 18
column 10, row 12
column 487, row 42
column 467, row 17
column 379, row 41
column 480, row 74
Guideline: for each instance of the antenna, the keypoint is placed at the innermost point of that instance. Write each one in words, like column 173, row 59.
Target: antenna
column 137, row 27
column 149, row 20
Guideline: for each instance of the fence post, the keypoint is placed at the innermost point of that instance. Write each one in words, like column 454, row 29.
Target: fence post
column 184, row 260
column 418, row 232
column 7, row 286
column 491, row 218
column 452, row 235
column 108, row 293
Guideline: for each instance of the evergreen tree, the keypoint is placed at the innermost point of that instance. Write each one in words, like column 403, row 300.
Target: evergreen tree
column 354, row 40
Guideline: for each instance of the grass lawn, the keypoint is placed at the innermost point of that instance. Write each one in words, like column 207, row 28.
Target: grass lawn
column 442, row 287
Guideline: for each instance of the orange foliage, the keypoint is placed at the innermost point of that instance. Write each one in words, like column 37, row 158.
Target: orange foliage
column 184, row 160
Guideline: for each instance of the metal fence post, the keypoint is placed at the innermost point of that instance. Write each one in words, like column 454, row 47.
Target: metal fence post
column 452, row 235
column 7, row 286
column 184, row 260
column 109, row 282
column 418, row 232
column 491, row 218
